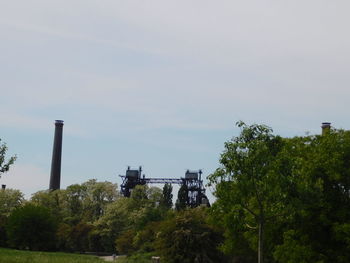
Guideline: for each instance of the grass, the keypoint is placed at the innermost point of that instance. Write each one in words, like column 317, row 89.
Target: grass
column 20, row 256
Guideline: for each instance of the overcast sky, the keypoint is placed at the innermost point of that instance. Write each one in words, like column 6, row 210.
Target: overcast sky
column 162, row 83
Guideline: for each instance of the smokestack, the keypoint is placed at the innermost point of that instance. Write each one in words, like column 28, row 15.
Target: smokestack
column 55, row 178
column 326, row 127
column 3, row 186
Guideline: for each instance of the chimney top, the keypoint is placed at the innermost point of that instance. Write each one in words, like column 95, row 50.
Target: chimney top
column 326, row 126
column 59, row 122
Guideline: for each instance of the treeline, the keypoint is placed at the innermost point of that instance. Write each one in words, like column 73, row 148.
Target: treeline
column 278, row 199
column 94, row 217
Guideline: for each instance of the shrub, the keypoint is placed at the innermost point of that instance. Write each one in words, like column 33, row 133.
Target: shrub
column 31, row 227
column 188, row 238
column 124, row 243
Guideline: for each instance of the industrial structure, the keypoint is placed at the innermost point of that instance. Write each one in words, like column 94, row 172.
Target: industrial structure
column 192, row 183
column 55, row 177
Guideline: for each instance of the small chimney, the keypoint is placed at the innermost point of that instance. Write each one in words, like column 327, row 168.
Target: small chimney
column 326, row 127
column 55, row 177
column 3, row 186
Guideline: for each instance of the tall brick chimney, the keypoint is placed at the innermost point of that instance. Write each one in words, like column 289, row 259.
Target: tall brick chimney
column 55, row 177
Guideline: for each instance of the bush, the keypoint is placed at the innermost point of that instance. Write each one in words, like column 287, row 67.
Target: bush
column 31, row 227
column 188, row 238
column 124, row 243
column 3, row 237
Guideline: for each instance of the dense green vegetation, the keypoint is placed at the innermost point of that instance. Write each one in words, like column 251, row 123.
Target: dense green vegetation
column 31, row 227
column 284, row 199
column 18, row 256
column 278, row 199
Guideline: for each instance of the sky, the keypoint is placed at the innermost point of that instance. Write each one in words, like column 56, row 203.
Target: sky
column 162, row 83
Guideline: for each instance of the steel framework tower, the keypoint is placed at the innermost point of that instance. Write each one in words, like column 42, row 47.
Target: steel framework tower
column 192, row 180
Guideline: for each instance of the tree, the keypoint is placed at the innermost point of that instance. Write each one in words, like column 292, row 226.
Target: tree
column 78, row 209
column 55, row 201
column 128, row 214
column 124, row 242
column 5, row 165
column 31, row 227
column 167, row 197
column 10, row 199
column 318, row 228
column 96, row 198
column 115, row 220
column 182, row 198
column 251, row 182
column 145, row 206
column 187, row 237
column 76, row 195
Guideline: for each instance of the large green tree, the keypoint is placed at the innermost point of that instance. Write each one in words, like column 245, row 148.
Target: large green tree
column 129, row 215
column 319, row 225
column 250, row 184
column 292, row 193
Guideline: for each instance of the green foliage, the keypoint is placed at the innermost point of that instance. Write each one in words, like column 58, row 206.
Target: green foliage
column 250, row 184
column 144, row 206
column 79, row 209
column 55, row 201
column 86, row 202
column 75, row 237
column 5, row 164
column 167, row 197
column 144, row 239
column 182, row 198
column 288, row 197
column 96, row 198
column 297, row 190
column 10, row 199
column 115, row 220
column 76, row 194
column 31, row 227
column 296, row 249
column 132, row 213
column 187, row 237
column 17, row 256
column 124, row 243
column 321, row 200
column 3, row 236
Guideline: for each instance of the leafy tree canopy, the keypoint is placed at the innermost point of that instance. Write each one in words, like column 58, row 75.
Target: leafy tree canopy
column 286, row 197
column 10, row 199
column 250, row 182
